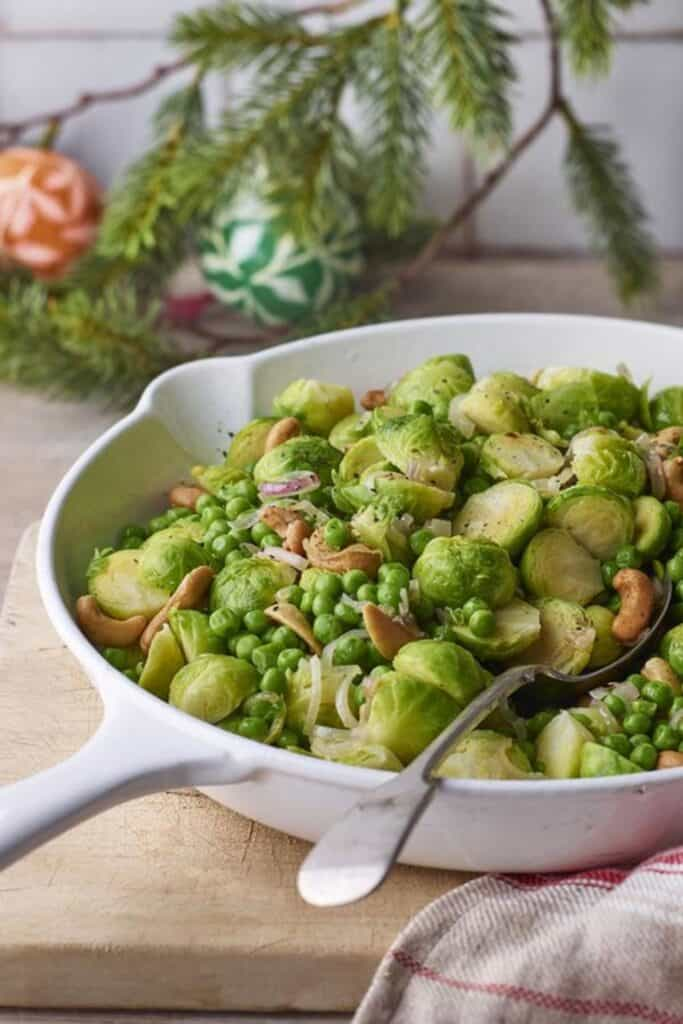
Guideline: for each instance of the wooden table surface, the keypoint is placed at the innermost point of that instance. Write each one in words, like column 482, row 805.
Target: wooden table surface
column 40, row 439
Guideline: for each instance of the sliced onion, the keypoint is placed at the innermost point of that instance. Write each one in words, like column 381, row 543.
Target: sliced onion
column 357, row 606
column 297, row 562
column 439, row 527
column 316, row 695
column 246, row 520
column 627, row 691
column 341, row 703
column 298, row 483
column 405, row 523
column 329, row 649
column 251, row 548
column 676, row 719
column 460, row 421
column 312, row 512
column 403, row 603
column 655, row 472
column 414, row 591
column 599, row 692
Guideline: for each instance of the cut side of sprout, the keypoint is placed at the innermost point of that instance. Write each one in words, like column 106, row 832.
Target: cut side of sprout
column 246, row 520
column 459, row 419
column 297, row 562
column 316, row 694
column 341, row 703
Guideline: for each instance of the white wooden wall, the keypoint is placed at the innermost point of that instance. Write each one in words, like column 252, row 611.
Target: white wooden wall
column 51, row 50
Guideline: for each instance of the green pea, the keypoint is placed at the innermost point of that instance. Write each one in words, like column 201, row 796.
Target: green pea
column 158, row 523
column 483, row 623
column 211, row 513
column 206, row 501
column 215, row 529
column 388, row 595
column 116, row 656
column 329, row 585
column 659, row 693
column 674, row 567
column 234, row 556
column 538, row 722
column 474, row 604
column 350, row 650
column 273, row 681
column 645, row 756
column 307, row 600
column 638, row 738
column 265, row 657
column 637, row 680
column 271, row 540
column 346, row 614
column 609, row 571
column 233, row 640
column 235, row 507
column 323, row 604
column 664, row 737
column 246, row 645
column 628, row 557
column 131, row 674
column 288, row 738
column 675, row 659
column 570, row 430
column 676, row 541
column 373, row 658
column 336, row 534
column 245, row 489
column 174, row 514
column 614, row 603
column 529, row 749
column 423, row 609
column 679, row 590
column 289, row 658
column 259, row 531
column 394, row 573
column 607, row 419
column 644, row 707
column 419, row 541
column 223, row 622
column 636, row 722
column 222, row 545
column 134, row 530
column 253, row 728
column 352, row 580
column 259, row 706
column 674, row 511
column 131, row 543
column 285, row 637
column 327, row 628
column 241, row 536
column 615, row 704
column 476, row 484
column 256, row 621
column 368, row 592
column 617, row 741
column 291, row 595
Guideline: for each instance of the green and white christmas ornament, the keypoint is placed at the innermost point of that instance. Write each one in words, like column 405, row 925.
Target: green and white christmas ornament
column 252, row 262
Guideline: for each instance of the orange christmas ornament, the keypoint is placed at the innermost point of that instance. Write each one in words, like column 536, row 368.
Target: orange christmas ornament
column 49, row 209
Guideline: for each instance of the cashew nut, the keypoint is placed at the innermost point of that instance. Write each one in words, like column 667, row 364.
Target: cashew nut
column 387, row 634
column 667, row 441
column 660, row 671
column 355, row 556
column 670, row 759
column 637, row 595
column 297, row 532
column 185, row 496
column 104, row 631
column 673, row 473
column 289, row 615
column 288, row 524
column 189, row 593
column 374, row 398
column 282, row 431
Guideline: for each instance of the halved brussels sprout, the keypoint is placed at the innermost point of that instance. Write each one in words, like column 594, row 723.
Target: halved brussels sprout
column 118, row 586
column 450, row 570
column 249, row 443
column 671, row 648
column 168, row 556
column 164, row 659
column 317, row 405
column 213, row 478
column 378, row 526
column 652, row 526
column 508, row 513
column 611, row 393
column 406, row 715
column 496, row 403
column 520, row 456
column 667, row 408
column 191, row 630
column 250, row 583
column 349, row 430
column 300, row 692
column 212, row 686
column 359, row 457
column 445, row 664
column 605, row 648
column 602, row 721
column 566, row 637
column 436, row 381
column 300, row 454
column 518, row 624
column 559, row 746
column 602, row 457
column 597, row 761
column 342, row 746
column 596, row 517
column 423, row 449
column 423, row 501
column 486, row 755
column 555, row 565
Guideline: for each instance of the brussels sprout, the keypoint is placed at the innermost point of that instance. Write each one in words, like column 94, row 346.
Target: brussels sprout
column 378, row 526
column 318, row 406
column 249, row 584
column 299, row 454
column 422, row 501
column 349, row 430
column 486, row 755
column 299, row 694
column 602, row 721
column 611, row 393
column 496, row 403
column 357, row 459
column 508, row 513
column 213, row 478
column 667, row 408
column 520, row 456
column 163, row 661
column 191, row 630
column 671, row 648
column 652, row 526
column 597, row 518
column 117, row 584
column 167, row 557
column 559, row 746
column 445, row 664
column 450, row 570
column 605, row 648
column 436, row 381
column 423, row 449
column 341, row 746
column 249, row 443
column 597, row 761
column 518, row 624
column 406, row 715
column 566, row 637
column 212, row 686
column 604, row 458
column 555, row 565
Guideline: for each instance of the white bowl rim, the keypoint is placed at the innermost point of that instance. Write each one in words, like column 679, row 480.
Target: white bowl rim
column 261, row 757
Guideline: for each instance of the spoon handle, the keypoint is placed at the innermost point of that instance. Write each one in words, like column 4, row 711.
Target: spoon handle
column 356, row 854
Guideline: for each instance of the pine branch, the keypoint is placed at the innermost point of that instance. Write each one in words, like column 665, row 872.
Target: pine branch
column 467, row 51
column 605, row 194
column 366, row 308
column 391, row 83
column 586, row 28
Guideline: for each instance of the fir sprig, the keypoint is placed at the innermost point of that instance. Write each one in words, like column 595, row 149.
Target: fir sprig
column 586, row 27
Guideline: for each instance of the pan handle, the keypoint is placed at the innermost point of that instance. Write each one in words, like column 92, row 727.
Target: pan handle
column 128, row 756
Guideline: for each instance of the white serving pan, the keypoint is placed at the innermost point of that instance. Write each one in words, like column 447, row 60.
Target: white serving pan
column 144, row 745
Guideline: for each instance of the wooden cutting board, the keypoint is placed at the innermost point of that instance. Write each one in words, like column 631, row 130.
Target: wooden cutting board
column 170, row 901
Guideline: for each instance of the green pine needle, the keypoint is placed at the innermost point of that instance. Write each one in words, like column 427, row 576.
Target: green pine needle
column 605, row 194
column 586, row 27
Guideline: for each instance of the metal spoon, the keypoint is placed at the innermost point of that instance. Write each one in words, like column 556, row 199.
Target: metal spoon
column 357, row 853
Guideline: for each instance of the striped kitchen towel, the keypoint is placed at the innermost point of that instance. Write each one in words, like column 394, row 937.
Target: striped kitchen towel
column 597, row 946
